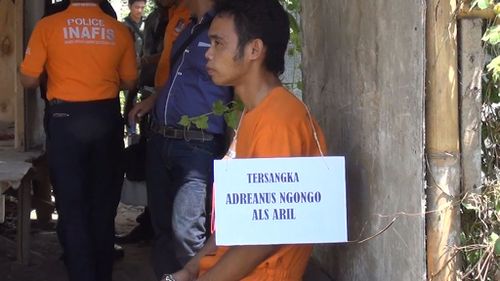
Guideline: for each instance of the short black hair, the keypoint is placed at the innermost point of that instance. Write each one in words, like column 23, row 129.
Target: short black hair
column 130, row 2
column 260, row 19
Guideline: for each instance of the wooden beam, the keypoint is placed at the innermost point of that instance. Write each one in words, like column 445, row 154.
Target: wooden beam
column 442, row 140
column 465, row 12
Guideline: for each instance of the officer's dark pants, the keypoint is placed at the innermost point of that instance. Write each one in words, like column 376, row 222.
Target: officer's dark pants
column 85, row 144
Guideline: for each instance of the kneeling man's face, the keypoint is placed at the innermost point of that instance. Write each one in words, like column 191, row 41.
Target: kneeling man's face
column 225, row 64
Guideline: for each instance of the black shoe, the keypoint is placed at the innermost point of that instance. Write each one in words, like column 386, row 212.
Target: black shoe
column 118, row 252
column 138, row 234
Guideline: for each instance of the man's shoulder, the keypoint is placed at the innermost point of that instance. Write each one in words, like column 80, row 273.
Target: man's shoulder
column 283, row 107
column 127, row 22
column 153, row 16
column 282, row 97
column 51, row 21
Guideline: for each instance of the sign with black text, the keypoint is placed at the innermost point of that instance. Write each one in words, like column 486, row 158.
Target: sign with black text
column 295, row 200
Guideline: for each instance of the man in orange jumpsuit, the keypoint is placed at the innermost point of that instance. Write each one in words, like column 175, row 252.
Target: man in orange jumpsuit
column 248, row 44
column 88, row 57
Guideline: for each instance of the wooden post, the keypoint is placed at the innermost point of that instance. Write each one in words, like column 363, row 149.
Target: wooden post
column 19, row 89
column 442, row 140
column 471, row 62
column 23, row 226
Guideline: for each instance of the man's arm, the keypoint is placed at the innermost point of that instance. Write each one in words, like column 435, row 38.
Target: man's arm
column 238, row 262
column 191, row 269
column 142, row 108
column 29, row 81
column 151, row 59
column 128, row 84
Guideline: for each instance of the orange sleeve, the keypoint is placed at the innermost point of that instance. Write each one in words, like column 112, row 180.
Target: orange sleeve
column 179, row 19
column 163, row 68
column 127, row 69
column 36, row 53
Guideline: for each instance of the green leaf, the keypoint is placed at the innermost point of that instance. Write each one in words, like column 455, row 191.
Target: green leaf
column 494, row 97
column 494, row 67
column 201, row 122
column 232, row 119
column 300, row 85
column 237, row 105
column 483, row 4
column 219, row 108
column 185, row 121
column 492, row 35
column 497, row 247
column 469, row 206
column 494, row 239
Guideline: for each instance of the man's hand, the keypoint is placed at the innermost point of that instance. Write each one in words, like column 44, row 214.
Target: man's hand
column 29, row 82
column 141, row 109
column 184, row 275
column 128, row 84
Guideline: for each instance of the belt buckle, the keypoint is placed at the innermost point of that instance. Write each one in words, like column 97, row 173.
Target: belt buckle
column 178, row 134
column 168, row 132
column 160, row 130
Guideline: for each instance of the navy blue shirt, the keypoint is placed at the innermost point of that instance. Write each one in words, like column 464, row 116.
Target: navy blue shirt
column 189, row 89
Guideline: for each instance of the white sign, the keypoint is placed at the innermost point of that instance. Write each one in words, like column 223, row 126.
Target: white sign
column 280, row 201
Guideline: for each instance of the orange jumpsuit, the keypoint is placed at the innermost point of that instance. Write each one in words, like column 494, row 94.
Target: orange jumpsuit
column 280, row 126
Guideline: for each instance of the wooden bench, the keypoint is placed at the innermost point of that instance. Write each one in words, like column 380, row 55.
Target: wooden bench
column 16, row 172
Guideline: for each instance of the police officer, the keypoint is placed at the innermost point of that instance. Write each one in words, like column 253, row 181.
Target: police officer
column 88, row 57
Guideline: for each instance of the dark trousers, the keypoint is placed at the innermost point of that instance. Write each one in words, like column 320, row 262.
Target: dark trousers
column 85, row 145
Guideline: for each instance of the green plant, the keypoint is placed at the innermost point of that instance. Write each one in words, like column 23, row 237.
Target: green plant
column 480, row 241
column 230, row 111
column 479, row 237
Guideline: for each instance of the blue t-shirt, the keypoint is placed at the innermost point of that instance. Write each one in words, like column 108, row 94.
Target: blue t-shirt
column 189, row 89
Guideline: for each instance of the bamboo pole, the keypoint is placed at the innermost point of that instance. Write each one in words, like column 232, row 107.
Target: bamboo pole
column 442, row 140
column 465, row 12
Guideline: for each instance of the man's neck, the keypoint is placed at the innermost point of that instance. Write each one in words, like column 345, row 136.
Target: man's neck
column 136, row 20
column 201, row 8
column 256, row 87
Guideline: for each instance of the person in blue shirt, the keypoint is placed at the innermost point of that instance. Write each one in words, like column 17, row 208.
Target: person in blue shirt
column 179, row 170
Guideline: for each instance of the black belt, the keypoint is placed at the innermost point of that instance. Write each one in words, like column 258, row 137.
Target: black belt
column 186, row 134
column 58, row 101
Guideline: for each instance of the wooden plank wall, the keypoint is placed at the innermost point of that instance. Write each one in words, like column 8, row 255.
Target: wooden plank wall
column 11, row 49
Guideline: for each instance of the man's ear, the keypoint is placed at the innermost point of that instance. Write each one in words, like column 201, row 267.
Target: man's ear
column 256, row 49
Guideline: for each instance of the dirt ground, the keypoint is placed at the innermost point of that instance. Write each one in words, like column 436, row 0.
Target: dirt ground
column 45, row 264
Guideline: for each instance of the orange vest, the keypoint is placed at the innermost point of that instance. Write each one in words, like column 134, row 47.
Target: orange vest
column 84, row 51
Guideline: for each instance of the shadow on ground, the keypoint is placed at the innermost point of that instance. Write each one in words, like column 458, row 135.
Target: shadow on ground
column 45, row 264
